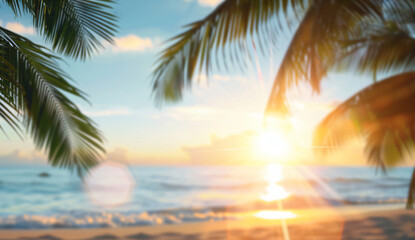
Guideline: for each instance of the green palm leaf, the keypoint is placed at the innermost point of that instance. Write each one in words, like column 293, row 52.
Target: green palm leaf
column 317, row 43
column 38, row 95
column 8, row 92
column 383, row 48
column 382, row 113
column 74, row 27
column 227, row 30
column 224, row 31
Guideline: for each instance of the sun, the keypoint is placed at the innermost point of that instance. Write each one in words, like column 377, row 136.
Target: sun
column 272, row 144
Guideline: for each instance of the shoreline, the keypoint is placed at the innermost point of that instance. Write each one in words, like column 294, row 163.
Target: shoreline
column 332, row 223
column 110, row 219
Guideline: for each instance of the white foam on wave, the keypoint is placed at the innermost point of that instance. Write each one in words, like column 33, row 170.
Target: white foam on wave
column 107, row 220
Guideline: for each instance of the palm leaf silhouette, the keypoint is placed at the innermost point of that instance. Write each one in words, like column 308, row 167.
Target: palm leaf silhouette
column 34, row 90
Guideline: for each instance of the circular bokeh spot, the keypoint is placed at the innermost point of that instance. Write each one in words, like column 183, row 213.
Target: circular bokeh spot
column 109, row 184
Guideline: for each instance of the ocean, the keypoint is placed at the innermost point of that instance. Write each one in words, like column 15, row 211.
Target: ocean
column 46, row 197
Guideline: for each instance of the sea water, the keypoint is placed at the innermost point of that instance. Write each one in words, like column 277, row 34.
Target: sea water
column 169, row 195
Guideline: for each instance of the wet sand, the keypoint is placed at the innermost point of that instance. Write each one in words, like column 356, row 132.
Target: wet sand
column 325, row 223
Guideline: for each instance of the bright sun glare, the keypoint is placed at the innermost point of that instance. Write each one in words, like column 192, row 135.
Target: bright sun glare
column 274, row 191
column 272, row 144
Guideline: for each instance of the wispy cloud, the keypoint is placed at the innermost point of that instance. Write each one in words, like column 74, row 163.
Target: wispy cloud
column 19, row 157
column 204, row 81
column 132, row 43
column 123, row 155
column 189, row 113
column 209, row 3
column 222, row 78
column 315, row 106
column 232, row 149
column 195, row 110
column 118, row 111
column 19, row 28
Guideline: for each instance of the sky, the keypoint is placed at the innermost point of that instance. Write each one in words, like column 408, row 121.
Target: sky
column 217, row 121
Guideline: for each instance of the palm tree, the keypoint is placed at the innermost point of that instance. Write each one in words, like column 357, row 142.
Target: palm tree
column 374, row 36
column 34, row 90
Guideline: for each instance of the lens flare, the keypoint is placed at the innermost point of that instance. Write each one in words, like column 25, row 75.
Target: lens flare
column 109, row 184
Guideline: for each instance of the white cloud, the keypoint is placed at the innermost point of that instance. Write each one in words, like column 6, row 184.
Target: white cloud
column 132, row 43
column 221, row 78
column 232, row 149
column 119, row 155
column 19, row 157
column 195, row 110
column 203, row 80
column 19, row 28
column 209, row 3
column 122, row 111
column 190, row 113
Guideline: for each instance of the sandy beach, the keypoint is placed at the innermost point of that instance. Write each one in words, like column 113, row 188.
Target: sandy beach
column 378, row 223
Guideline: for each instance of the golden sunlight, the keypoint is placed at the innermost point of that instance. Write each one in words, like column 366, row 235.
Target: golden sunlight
column 273, row 215
column 272, row 144
column 274, row 191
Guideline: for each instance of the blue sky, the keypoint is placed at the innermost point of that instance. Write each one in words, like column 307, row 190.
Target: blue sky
column 118, row 82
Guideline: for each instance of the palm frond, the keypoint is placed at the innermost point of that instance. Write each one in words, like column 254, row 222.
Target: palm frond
column 8, row 92
column 384, row 48
column 223, row 32
column 382, row 113
column 74, row 27
column 55, row 123
column 333, row 35
column 318, row 44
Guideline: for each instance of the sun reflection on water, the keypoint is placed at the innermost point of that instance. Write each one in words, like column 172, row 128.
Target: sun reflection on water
column 273, row 215
column 274, row 191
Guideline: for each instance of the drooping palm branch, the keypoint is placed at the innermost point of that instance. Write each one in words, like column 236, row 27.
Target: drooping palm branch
column 338, row 46
column 230, row 28
column 34, row 90
column 383, row 114
column 223, row 32
column 73, row 27
column 384, row 48
column 35, row 94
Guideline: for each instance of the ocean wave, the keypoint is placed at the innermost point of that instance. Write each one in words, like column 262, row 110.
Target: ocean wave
column 177, row 186
column 83, row 219
column 193, row 194
column 375, row 201
column 385, row 185
column 254, row 185
column 349, row 180
column 397, row 179
column 104, row 219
